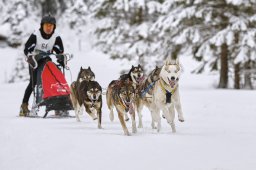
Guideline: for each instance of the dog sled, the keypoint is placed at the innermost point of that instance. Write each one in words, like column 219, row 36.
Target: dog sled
column 51, row 89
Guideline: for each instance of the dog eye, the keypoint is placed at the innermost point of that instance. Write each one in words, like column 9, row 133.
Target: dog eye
column 168, row 71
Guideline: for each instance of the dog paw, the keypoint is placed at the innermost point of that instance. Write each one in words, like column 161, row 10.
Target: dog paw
column 173, row 128
column 126, row 133
column 140, row 126
column 111, row 117
column 95, row 118
column 181, row 120
column 99, row 127
column 153, row 125
column 127, row 119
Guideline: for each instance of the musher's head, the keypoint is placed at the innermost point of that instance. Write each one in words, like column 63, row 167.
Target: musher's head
column 48, row 24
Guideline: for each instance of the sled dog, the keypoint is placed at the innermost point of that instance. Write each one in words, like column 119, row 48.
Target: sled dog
column 136, row 76
column 120, row 94
column 83, row 75
column 89, row 95
column 146, row 92
column 165, row 95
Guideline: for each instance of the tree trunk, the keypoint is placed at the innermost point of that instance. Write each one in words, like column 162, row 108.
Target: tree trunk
column 237, row 76
column 49, row 6
column 247, row 76
column 223, row 83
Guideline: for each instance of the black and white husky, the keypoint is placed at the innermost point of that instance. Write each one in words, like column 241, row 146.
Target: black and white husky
column 87, row 92
column 135, row 75
column 89, row 96
column 83, row 75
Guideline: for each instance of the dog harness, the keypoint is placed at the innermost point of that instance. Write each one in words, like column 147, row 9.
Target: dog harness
column 150, row 86
column 129, row 109
column 168, row 94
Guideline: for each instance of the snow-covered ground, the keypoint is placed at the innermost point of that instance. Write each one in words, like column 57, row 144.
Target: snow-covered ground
column 219, row 132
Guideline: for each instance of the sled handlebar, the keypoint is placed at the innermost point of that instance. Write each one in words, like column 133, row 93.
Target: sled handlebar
column 33, row 59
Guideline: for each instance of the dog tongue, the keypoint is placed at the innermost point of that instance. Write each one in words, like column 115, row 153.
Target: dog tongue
column 127, row 106
column 131, row 109
column 172, row 83
column 140, row 79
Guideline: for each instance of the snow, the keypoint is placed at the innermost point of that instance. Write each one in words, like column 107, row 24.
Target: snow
column 235, row 2
column 219, row 132
column 4, row 30
column 153, row 7
column 219, row 38
column 241, row 56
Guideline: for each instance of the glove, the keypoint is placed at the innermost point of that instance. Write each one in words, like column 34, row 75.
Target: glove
column 61, row 62
column 29, row 57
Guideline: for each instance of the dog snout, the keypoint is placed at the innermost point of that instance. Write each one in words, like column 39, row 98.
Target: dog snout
column 172, row 78
column 128, row 100
column 94, row 96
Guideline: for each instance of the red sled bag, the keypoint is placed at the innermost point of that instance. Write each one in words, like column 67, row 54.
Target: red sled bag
column 53, row 81
column 56, row 92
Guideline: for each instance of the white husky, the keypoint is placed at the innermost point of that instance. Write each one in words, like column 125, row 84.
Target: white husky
column 165, row 95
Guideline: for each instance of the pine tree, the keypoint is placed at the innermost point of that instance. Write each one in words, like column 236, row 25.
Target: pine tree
column 75, row 15
column 214, row 32
column 123, row 27
column 54, row 7
column 20, row 71
column 18, row 16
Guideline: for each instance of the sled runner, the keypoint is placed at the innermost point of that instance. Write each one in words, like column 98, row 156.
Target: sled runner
column 52, row 89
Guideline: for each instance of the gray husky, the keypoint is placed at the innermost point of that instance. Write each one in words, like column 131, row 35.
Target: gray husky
column 120, row 94
column 136, row 76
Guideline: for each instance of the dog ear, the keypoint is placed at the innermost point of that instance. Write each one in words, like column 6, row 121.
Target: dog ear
column 139, row 65
column 177, row 61
column 89, row 68
column 81, row 68
column 132, row 67
column 93, row 78
column 167, row 61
